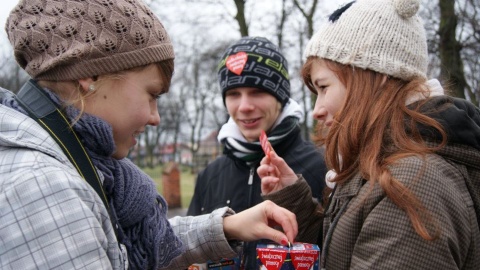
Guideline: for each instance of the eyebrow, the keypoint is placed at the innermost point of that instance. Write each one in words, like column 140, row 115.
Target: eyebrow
column 319, row 80
column 158, row 88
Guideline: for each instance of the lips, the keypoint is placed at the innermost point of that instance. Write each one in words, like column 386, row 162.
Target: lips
column 138, row 133
column 135, row 136
column 250, row 122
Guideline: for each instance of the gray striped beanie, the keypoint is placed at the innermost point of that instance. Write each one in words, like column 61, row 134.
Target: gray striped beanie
column 381, row 35
column 255, row 62
column 67, row 40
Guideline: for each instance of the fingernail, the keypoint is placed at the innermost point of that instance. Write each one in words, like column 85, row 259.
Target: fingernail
column 284, row 242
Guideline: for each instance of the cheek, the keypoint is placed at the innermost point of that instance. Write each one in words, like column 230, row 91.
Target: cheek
column 143, row 113
column 133, row 117
column 230, row 106
column 276, row 110
column 335, row 97
column 336, row 106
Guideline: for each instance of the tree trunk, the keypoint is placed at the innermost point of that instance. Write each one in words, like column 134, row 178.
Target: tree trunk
column 240, row 17
column 308, row 15
column 451, row 73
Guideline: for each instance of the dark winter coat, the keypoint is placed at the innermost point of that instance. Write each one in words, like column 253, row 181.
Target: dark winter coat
column 225, row 182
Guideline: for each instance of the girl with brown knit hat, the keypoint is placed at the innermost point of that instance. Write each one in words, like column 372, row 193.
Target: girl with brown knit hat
column 69, row 199
column 404, row 158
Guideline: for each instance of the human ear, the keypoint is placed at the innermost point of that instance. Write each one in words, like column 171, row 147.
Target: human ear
column 87, row 84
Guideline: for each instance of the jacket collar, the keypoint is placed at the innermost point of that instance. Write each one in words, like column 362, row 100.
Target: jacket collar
column 349, row 188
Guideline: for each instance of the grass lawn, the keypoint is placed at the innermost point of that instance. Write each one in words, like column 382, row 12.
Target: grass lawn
column 187, row 182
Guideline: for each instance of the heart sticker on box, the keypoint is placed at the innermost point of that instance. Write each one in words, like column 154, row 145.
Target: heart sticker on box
column 272, row 259
column 236, row 62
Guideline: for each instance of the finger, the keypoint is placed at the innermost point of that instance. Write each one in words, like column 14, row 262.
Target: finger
column 264, row 160
column 273, row 155
column 285, row 219
column 290, row 227
column 276, row 235
column 268, row 185
column 266, row 170
column 281, row 167
column 270, row 180
column 277, row 171
column 275, row 159
column 262, row 171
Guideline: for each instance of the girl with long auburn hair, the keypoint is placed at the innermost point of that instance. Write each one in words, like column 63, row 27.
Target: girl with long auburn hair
column 404, row 158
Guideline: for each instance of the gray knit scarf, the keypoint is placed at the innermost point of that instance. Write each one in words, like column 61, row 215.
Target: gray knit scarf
column 133, row 198
column 251, row 152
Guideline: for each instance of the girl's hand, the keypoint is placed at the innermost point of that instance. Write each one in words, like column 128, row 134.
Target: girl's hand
column 257, row 223
column 275, row 173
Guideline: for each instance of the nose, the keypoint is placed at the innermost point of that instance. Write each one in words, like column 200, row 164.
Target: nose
column 319, row 111
column 245, row 104
column 154, row 119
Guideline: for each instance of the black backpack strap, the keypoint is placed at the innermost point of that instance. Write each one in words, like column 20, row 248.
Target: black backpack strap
column 44, row 111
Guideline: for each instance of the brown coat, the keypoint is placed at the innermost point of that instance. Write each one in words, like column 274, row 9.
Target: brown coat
column 376, row 234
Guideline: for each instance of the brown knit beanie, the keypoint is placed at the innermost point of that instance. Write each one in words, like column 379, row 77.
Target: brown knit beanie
column 67, row 40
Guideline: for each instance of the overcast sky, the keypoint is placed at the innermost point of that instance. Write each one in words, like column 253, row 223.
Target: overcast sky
column 6, row 7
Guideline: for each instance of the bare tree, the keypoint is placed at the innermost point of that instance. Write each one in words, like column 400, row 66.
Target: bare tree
column 307, row 9
column 449, row 48
column 469, row 35
column 306, row 96
column 151, row 138
column 12, row 76
column 308, row 13
column 171, row 120
column 454, row 45
column 281, row 22
column 195, row 91
column 240, row 17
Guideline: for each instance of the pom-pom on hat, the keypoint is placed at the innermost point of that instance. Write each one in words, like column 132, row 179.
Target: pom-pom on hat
column 381, row 35
column 255, row 62
column 67, row 40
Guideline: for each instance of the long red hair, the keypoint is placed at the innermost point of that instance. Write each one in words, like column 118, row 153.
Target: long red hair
column 371, row 132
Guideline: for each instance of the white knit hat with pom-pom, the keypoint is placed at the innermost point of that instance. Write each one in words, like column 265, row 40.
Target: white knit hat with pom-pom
column 381, row 35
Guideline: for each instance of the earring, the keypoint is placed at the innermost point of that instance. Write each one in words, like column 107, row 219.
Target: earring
column 91, row 87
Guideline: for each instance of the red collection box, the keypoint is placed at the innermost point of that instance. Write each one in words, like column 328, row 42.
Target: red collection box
column 299, row 256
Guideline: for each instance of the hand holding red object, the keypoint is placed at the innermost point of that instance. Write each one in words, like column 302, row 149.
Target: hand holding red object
column 275, row 173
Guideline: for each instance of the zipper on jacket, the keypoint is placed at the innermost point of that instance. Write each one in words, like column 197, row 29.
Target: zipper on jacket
column 250, row 178
column 250, row 187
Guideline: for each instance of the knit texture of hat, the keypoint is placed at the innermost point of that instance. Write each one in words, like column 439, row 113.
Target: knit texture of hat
column 381, row 35
column 67, row 40
column 255, row 62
